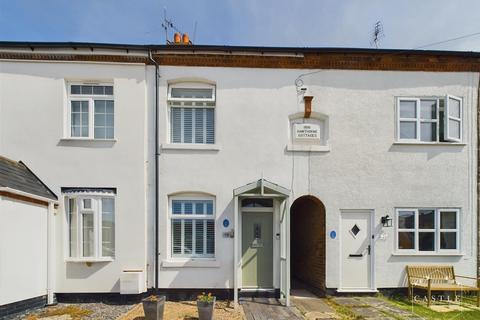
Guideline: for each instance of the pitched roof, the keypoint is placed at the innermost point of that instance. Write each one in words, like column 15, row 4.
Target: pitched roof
column 16, row 175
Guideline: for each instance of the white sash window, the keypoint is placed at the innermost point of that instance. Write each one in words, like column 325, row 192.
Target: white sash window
column 91, row 111
column 192, row 113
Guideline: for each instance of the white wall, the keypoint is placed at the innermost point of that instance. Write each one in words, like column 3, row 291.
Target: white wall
column 32, row 107
column 363, row 170
column 23, row 250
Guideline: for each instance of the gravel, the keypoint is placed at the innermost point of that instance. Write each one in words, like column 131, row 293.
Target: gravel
column 98, row 311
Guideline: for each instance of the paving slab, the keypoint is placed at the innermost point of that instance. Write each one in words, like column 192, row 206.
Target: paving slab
column 266, row 309
column 311, row 306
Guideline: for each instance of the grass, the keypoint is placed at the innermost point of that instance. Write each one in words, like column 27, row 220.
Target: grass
column 427, row 313
column 73, row 311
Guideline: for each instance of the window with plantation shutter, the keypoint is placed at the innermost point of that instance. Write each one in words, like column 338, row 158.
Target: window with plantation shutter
column 192, row 115
column 192, row 227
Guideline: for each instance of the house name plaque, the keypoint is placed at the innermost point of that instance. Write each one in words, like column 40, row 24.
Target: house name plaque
column 306, row 131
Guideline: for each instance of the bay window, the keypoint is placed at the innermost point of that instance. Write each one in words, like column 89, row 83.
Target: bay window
column 192, row 227
column 429, row 119
column 427, row 230
column 91, row 111
column 192, row 113
column 91, row 225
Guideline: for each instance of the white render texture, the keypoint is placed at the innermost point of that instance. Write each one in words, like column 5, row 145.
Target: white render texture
column 23, row 250
column 32, row 108
column 364, row 169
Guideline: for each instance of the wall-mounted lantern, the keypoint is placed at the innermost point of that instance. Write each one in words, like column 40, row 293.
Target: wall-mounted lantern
column 386, row 221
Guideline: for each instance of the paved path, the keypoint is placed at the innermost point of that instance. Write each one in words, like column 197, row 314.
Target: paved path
column 311, row 306
column 266, row 309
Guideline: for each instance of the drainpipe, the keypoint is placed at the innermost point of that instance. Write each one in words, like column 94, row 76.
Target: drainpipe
column 156, row 168
column 50, row 254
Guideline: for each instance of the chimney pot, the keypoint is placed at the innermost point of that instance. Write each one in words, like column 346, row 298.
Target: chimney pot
column 185, row 39
column 176, row 37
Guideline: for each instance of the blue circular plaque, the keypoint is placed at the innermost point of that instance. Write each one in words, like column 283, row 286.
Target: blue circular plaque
column 226, row 223
column 333, row 234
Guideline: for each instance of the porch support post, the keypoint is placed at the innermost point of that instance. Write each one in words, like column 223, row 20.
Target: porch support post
column 50, row 253
column 236, row 238
column 287, row 267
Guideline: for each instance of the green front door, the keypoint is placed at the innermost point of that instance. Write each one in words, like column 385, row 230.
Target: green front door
column 257, row 250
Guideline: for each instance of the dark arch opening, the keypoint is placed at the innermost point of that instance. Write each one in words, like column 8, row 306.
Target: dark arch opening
column 307, row 244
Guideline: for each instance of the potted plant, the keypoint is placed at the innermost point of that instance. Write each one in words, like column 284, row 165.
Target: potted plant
column 205, row 306
column 153, row 307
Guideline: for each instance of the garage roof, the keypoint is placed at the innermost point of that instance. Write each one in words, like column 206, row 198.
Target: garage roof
column 17, row 176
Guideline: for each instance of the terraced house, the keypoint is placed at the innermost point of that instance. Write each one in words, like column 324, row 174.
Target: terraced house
column 242, row 170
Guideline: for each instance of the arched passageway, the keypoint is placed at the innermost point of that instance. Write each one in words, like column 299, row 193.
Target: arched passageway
column 307, row 246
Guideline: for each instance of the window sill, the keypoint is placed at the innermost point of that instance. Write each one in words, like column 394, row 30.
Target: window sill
column 309, row 148
column 190, row 146
column 417, row 143
column 89, row 260
column 191, row 263
column 88, row 139
column 439, row 254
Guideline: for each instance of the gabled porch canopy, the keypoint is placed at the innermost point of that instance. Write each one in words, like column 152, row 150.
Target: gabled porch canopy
column 261, row 187
column 264, row 189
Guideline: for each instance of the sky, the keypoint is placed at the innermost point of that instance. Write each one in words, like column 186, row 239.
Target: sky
column 407, row 24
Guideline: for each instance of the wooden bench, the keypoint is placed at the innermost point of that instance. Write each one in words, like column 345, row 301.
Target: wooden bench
column 437, row 278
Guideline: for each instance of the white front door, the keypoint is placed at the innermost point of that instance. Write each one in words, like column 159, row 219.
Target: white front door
column 356, row 251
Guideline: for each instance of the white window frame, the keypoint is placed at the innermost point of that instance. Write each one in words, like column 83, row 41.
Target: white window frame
column 91, row 109
column 202, row 104
column 182, row 217
column 447, row 117
column 96, row 211
column 436, row 230
column 418, row 120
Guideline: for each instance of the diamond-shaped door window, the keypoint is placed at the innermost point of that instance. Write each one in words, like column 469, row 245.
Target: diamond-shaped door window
column 355, row 230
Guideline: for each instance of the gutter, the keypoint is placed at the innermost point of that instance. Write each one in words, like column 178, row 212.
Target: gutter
column 156, row 169
column 28, row 195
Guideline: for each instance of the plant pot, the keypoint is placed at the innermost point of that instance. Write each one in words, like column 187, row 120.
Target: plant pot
column 205, row 309
column 153, row 307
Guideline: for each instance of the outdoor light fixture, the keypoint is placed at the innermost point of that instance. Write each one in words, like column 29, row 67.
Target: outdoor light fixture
column 386, row 221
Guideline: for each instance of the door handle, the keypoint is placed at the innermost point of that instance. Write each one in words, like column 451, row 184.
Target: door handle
column 356, row 255
column 368, row 249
